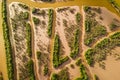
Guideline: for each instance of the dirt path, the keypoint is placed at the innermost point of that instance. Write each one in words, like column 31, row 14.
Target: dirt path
column 34, row 58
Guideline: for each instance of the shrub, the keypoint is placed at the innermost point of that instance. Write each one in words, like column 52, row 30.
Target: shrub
column 25, row 15
column 88, row 41
column 34, row 10
column 87, row 25
column 36, row 20
column 46, row 70
column 86, row 8
column 78, row 18
column 75, row 50
column 78, row 62
column 96, row 77
column 57, row 61
column 30, row 67
column 54, row 77
column 28, row 31
column 63, row 74
column 89, row 56
column 50, row 22
column 7, row 43
column 113, row 26
column 38, row 54
column 23, row 6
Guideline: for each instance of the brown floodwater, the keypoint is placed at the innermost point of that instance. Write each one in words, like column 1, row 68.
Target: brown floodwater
column 103, row 3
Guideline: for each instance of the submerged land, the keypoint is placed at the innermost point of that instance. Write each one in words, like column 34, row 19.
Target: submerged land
column 61, row 42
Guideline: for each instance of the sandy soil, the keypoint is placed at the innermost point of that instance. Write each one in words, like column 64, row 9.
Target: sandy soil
column 112, row 63
column 42, row 41
column 20, row 47
column 60, row 29
column 111, row 71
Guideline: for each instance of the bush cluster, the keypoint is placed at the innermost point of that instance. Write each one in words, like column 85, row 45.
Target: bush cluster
column 28, row 30
column 7, row 43
column 30, row 67
column 75, row 50
column 50, row 22
column 57, row 61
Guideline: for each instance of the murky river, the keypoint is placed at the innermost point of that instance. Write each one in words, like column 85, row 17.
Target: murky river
column 104, row 3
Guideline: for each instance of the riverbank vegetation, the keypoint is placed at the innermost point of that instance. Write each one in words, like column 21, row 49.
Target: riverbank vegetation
column 101, row 49
column 28, row 30
column 62, row 75
column 75, row 48
column 30, row 67
column 115, row 5
column 84, row 75
column 93, row 29
column 57, row 60
column 8, row 48
column 50, row 22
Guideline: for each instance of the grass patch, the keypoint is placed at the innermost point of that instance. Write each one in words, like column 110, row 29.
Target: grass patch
column 28, row 30
column 23, row 6
column 101, row 49
column 62, row 75
column 7, row 43
column 36, row 20
column 30, row 67
column 75, row 51
column 50, row 22
column 57, row 60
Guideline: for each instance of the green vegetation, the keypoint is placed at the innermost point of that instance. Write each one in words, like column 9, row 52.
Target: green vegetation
column 36, row 20
column 50, row 22
column 30, row 67
column 38, row 54
column 75, row 50
column 78, row 18
column 25, row 15
column 113, row 26
column 78, row 62
column 115, row 5
column 93, row 31
column 84, row 75
column 96, row 77
column 57, row 61
column 46, row 70
column 28, row 30
column 86, row 8
column 47, row 0
column 7, row 43
column 89, row 56
column 101, row 49
column 54, row 77
column 34, row 10
column 62, row 75
column 23, row 6
column 87, row 25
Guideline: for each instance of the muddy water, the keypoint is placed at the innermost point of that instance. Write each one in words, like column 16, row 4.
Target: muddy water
column 104, row 3
column 3, row 67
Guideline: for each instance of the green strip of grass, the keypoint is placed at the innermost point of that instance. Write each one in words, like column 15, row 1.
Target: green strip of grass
column 7, row 43
column 50, row 22
column 30, row 68
column 75, row 50
column 57, row 61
